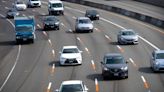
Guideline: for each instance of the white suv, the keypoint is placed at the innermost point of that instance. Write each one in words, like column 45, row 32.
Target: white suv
column 55, row 7
column 70, row 55
column 34, row 3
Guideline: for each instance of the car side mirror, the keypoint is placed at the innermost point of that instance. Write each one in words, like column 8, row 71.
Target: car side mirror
column 80, row 51
column 60, row 52
column 57, row 90
column 92, row 22
column 102, row 62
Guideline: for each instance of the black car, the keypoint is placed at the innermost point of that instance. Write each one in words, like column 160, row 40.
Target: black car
column 114, row 65
column 51, row 22
column 92, row 14
column 12, row 13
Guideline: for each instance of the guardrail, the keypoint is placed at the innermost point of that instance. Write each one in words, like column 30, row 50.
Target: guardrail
column 132, row 14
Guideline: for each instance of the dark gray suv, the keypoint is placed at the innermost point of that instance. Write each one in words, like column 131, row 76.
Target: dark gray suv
column 114, row 65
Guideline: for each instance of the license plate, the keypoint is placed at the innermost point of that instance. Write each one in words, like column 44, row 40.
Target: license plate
column 115, row 74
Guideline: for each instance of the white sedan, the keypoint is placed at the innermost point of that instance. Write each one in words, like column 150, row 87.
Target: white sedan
column 70, row 55
column 72, row 86
column 19, row 5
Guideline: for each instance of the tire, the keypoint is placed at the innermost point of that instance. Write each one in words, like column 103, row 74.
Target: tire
column 32, row 40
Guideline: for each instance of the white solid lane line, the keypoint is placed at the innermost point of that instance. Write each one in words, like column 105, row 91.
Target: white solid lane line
column 16, row 61
column 17, row 58
column 149, row 43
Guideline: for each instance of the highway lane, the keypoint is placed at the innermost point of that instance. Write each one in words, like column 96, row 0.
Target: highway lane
column 155, row 87
column 34, row 70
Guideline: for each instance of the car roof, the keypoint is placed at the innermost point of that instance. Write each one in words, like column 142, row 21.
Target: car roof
column 68, row 47
column 159, row 51
column 81, row 18
column 55, row 1
column 71, row 82
column 92, row 11
column 112, row 54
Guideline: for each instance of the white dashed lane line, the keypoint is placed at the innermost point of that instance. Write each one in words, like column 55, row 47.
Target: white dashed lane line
column 93, row 65
column 6, row 8
column 49, row 87
column 145, row 82
column 132, row 61
column 96, row 85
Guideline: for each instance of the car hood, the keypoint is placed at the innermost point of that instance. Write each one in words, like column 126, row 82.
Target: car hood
column 119, row 66
column 35, row 1
column 160, row 61
column 51, row 22
column 85, row 25
column 130, row 37
column 73, row 55
column 58, row 8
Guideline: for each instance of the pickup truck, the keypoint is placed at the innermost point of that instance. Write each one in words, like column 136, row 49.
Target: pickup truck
column 25, row 29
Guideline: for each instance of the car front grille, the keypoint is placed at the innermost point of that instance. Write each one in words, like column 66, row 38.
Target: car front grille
column 115, row 70
column 71, row 61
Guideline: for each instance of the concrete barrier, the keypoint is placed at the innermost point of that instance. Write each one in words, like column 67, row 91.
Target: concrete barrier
column 132, row 14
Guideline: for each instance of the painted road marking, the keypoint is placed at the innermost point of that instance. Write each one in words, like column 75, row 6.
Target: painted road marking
column 49, row 41
column 6, row 8
column 45, row 33
column 53, row 53
column 23, row 15
column 131, row 60
column 49, row 87
column 145, row 82
column 106, row 36
column 86, row 49
column 97, row 29
column 97, row 85
column 16, row 61
column 93, row 65
column 38, row 25
column 74, row 17
column 17, row 58
column 121, row 49
column 53, row 68
column 149, row 43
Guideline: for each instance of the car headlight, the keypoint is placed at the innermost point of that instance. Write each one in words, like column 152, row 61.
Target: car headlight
column 157, row 63
column 97, row 15
column 124, row 68
column 106, row 69
column 57, row 23
column 122, row 38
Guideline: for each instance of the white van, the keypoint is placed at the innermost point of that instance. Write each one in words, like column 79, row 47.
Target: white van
column 55, row 7
column 34, row 3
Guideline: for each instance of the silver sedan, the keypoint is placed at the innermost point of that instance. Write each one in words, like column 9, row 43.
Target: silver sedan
column 127, row 36
column 157, row 60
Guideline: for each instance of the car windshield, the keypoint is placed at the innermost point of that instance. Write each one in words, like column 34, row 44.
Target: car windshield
column 24, row 28
column 72, row 88
column 114, row 60
column 160, row 56
column 84, row 21
column 92, row 12
column 128, row 33
column 50, row 19
column 55, row 5
column 73, row 50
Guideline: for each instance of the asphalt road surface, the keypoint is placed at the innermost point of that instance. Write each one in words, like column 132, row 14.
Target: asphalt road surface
column 35, row 67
